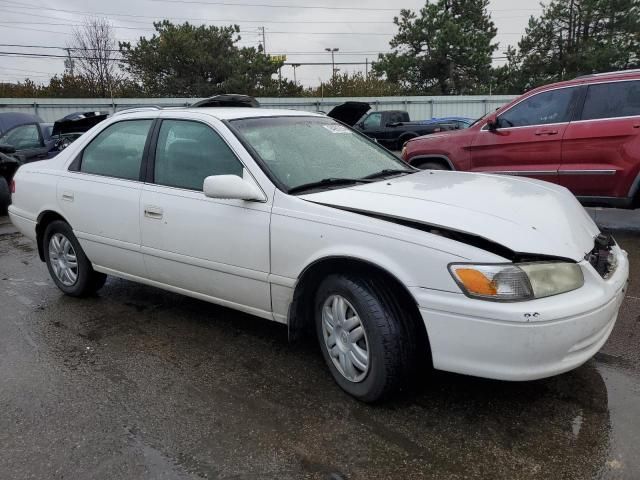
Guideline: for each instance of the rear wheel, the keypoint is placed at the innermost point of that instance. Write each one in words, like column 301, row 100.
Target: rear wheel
column 5, row 196
column 68, row 265
column 363, row 338
column 429, row 165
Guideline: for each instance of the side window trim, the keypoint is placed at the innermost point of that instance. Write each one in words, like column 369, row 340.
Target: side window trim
column 76, row 164
column 150, row 171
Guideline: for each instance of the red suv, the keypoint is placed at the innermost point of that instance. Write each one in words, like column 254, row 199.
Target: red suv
column 583, row 134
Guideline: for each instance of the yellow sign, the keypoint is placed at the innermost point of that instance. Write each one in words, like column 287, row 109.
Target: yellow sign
column 278, row 58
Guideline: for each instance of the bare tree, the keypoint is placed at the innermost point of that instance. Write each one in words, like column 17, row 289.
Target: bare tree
column 95, row 52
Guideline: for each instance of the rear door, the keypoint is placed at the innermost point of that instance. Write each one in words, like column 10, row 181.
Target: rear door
column 601, row 150
column 528, row 138
column 100, row 196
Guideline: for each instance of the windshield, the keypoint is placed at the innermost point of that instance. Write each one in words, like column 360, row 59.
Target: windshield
column 304, row 150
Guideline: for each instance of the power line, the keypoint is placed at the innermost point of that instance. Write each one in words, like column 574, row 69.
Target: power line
column 199, row 19
column 267, row 5
column 5, row 23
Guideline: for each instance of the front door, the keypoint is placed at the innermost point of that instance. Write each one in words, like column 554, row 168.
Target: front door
column 599, row 151
column 28, row 142
column 100, row 197
column 218, row 249
column 528, row 137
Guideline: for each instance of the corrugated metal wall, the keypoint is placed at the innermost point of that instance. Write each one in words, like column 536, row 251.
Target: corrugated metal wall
column 419, row 108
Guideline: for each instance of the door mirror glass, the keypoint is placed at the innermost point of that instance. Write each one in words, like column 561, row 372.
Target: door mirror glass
column 230, row 187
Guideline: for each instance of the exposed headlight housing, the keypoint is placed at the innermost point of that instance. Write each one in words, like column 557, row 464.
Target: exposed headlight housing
column 516, row 282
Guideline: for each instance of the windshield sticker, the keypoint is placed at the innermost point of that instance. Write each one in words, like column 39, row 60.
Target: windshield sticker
column 337, row 129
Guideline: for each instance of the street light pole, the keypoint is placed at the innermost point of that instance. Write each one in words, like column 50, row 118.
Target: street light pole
column 295, row 80
column 333, row 62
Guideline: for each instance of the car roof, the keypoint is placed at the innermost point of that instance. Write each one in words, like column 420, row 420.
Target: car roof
column 592, row 78
column 233, row 113
column 8, row 120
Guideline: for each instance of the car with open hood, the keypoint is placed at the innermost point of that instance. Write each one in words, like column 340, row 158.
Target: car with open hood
column 296, row 218
column 26, row 138
column 390, row 128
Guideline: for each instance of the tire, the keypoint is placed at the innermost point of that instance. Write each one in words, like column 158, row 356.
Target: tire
column 385, row 338
column 429, row 165
column 81, row 280
column 5, row 196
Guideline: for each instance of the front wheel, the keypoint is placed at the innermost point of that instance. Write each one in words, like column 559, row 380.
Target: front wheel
column 68, row 265
column 362, row 338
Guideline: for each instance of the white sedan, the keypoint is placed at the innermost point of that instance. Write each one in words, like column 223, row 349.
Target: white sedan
column 296, row 218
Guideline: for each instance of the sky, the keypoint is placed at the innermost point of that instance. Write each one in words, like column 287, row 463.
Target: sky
column 300, row 29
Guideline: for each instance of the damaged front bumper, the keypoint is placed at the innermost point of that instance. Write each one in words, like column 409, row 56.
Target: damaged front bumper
column 524, row 340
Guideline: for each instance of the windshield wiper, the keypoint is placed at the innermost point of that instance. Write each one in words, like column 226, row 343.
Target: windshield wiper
column 327, row 182
column 386, row 172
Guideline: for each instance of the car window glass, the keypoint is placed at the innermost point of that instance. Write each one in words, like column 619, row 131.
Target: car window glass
column 544, row 108
column 117, row 151
column 22, row 137
column 299, row 150
column 373, row 120
column 188, row 152
column 610, row 100
column 395, row 117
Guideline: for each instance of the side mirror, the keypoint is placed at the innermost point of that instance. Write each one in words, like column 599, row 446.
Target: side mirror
column 492, row 122
column 231, row 187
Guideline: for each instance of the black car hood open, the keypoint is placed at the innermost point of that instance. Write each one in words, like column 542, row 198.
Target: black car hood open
column 77, row 122
column 349, row 112
column 228, row 100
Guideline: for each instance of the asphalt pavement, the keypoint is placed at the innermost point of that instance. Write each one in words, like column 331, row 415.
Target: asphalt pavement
column 138, row 383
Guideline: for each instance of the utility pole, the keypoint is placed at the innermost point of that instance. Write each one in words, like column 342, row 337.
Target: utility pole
column 366, row 68
column 295, row 80
column 69, row 63
column 264, row 41
column 332, row 51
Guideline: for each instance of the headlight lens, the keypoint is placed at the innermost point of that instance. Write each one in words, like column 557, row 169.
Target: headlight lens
column 509, row 282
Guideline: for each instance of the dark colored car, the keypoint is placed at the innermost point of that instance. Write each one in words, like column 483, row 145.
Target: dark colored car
column 390, row 128
column 228, row 100
column 583, row 134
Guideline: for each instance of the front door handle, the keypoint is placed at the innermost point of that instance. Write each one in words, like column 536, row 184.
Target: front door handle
column 546, row 131
column 636, row 125
column 151, row 211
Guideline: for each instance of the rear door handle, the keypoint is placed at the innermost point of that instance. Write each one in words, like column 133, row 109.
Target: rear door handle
column 546, row 131
column 151, row 211
column 636, row 125
column 67, row 196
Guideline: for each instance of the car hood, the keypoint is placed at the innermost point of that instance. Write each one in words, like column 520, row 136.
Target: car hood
column 349, row 112
column 78, row 122
column 527, row 216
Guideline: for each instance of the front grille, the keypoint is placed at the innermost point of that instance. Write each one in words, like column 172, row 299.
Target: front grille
column 602, row 257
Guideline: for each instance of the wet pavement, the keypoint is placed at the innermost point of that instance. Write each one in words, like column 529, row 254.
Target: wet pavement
column 138, row 383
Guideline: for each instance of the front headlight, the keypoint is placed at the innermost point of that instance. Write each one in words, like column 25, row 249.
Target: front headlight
column 516, row 282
